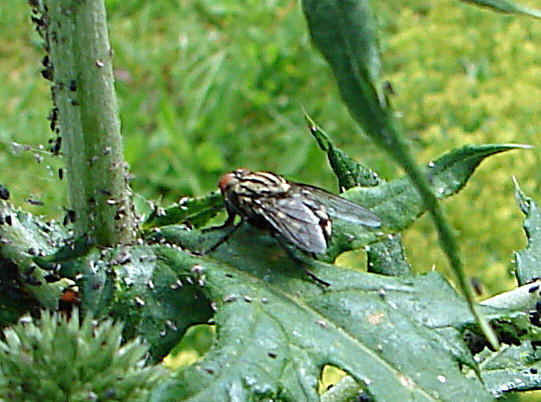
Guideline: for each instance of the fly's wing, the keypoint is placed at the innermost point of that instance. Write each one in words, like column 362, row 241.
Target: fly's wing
column 297, row 222
column 341, row 208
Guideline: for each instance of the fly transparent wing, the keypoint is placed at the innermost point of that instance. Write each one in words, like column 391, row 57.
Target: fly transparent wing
column 296, row 222
column 341, row 208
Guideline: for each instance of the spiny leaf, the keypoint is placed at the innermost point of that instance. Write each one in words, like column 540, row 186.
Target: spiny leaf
column 398, row 203
column 276, row 328
column 345, row 33
column 349, row 172
column 274, row 332
column 527, row 261
column 513, row 368
column 196, row 211
column 132, row 284
column 385, row 256
column 23, row 237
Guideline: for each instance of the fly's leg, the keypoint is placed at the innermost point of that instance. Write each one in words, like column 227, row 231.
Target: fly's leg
column 300, row 261
column 224, row 238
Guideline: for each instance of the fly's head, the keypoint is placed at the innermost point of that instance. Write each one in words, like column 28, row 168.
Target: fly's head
column 230, row 181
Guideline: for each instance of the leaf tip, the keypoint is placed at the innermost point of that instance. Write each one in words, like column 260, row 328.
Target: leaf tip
column 522, row 200
column 321, row 137
column 519, row 146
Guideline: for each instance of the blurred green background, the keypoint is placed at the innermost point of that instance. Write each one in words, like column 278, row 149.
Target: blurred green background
column 210, row 85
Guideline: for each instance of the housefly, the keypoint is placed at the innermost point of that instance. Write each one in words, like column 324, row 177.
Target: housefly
column 297, row 213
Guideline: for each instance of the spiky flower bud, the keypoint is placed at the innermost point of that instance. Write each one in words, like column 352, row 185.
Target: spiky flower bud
column 59, row 359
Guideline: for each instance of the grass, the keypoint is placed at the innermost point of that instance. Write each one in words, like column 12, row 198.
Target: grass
column 208, row 86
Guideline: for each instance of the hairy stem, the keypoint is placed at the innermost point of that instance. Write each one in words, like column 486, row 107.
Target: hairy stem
column 83, row 92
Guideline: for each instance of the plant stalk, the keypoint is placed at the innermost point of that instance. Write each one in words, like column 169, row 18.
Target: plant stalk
column 83, row 92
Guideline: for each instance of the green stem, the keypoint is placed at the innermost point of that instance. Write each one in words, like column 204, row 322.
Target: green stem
column 83, row 92
column 345, row 33
column 400, row 152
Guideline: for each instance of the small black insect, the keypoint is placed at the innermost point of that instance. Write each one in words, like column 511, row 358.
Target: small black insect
column 69, row 217
column 4, row 192
column 32, row 201
column 298, row 213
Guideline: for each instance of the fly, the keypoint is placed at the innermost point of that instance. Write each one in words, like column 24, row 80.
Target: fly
column 297, row 213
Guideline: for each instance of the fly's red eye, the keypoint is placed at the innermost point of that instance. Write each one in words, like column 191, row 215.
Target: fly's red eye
column 225, row 180
column 230, row 178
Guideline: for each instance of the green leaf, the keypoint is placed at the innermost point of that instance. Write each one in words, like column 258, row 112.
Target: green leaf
column 276, row 329
column 513, row 368
column 23, row 238
column 130, row 283
column 527, row 260
column 134, row 285
column 398, row 204
column 507, row 6
column 386, row 256
column 196, row 211
column 345, row 33
column 349, row 172
column 70, row 250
